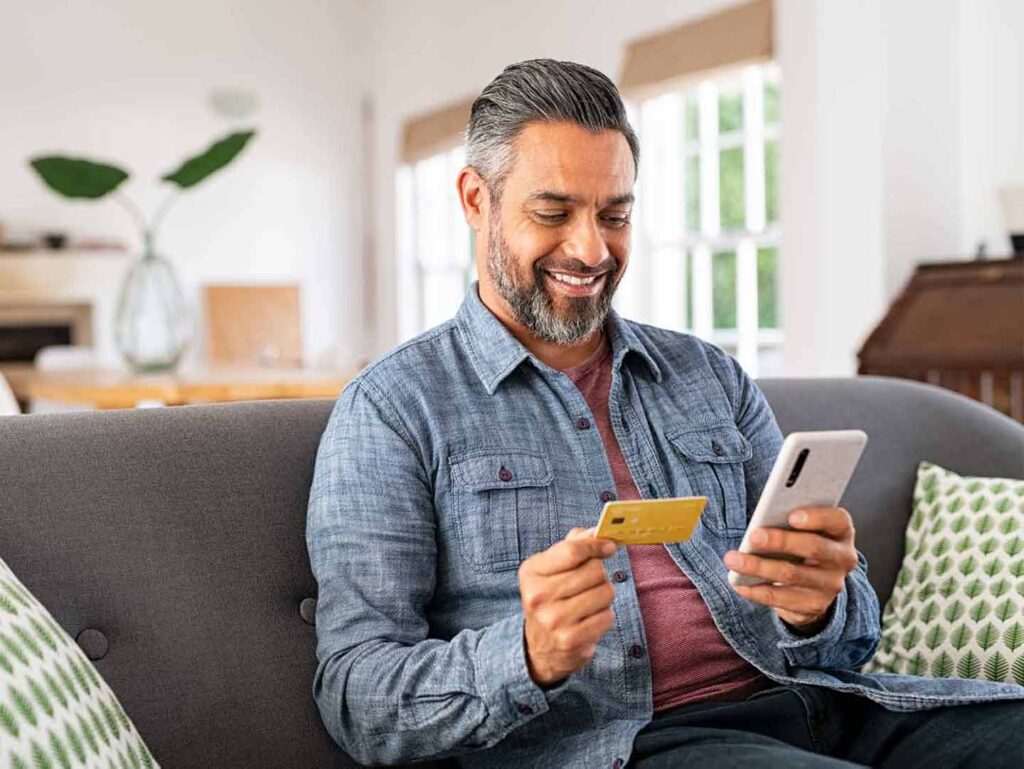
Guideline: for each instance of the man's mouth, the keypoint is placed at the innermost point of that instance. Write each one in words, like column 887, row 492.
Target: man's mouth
column 576, row 285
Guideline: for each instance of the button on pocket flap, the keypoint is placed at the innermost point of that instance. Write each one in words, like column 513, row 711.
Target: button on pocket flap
column 712, row 443
column 507, row 470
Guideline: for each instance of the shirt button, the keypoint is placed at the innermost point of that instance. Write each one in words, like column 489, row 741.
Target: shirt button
column 620, row 576
column 716, row 447
column 524, row 709
column 636, row 651
column 505, row 474
column 607, row 496
column 617, row 763
column 583, row 423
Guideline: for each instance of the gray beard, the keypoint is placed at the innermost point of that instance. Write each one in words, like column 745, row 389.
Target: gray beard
column 533, row 306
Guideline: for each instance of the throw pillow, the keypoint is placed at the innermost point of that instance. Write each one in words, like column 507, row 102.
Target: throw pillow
column 957, row 609
column 55, row 710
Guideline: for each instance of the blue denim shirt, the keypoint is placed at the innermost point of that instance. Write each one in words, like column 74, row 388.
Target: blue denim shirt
column 415, row 540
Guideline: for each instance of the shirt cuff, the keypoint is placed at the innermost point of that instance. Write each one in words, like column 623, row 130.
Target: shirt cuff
column 511, row 696
column 811, row 650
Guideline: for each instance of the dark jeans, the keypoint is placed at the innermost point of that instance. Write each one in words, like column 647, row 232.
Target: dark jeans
column 808, row 726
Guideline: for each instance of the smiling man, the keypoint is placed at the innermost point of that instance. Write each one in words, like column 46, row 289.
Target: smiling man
column 464, row 609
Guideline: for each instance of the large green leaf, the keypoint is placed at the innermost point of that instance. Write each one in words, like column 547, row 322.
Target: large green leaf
column 78, row 178
column 197, row 168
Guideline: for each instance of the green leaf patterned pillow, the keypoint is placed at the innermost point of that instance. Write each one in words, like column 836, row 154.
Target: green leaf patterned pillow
column 957, row 609
column 55, row 710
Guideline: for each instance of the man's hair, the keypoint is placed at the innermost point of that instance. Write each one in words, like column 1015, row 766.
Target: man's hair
column 539, row 90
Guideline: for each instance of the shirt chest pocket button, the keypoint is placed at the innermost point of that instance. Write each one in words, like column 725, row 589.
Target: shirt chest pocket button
column 502, row 506
column 712, row 457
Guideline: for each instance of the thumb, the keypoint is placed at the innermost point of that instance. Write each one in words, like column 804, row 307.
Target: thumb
column 580, row 533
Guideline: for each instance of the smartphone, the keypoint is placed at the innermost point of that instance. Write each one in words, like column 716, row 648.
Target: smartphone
column 811, row 470
column 650, row 521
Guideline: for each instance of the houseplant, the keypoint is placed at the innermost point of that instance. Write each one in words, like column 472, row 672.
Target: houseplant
column 153, row 324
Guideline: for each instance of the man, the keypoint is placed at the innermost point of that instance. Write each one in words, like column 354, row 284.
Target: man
column 464, row 609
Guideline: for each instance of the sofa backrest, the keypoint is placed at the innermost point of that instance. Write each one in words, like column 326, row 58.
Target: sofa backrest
column 179, row 535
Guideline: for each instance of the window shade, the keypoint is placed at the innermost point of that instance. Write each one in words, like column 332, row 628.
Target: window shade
column 434, row 132
column 733, row 36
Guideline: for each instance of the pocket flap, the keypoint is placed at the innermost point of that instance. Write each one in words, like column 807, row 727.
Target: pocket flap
column 721, row 442
column 505, row 470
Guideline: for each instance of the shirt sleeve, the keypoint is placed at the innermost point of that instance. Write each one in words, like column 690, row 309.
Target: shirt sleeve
column 387, row 693
column 852, row 632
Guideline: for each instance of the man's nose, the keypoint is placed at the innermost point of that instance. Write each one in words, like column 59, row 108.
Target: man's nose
column 586, row 243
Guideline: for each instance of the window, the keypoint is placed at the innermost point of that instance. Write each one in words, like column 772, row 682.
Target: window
column 434, row 243
column 706, row 223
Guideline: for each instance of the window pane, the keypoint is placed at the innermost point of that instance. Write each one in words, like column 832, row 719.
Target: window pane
column 693, row 193
column 771, row 103
column 767, row 288
column 730, row 187
column 689, row 290
column 771, row 180
column 730, row 111
column 692, row 119
column 723, row 289
column 442, row 295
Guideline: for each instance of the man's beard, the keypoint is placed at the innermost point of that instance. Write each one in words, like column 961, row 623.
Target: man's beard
column 534, row 307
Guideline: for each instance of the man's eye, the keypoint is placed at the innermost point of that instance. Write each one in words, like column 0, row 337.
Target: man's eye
column 552, row 218
column 617, row 221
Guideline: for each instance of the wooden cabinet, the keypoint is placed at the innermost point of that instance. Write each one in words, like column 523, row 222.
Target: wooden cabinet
column 959, row 325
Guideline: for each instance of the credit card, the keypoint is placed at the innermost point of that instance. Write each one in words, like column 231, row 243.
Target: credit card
column 650, row 521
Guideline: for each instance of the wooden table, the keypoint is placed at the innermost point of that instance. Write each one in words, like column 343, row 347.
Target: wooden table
column 118, row 389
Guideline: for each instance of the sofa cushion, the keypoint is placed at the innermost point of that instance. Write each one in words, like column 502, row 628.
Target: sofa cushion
column 957, row 609
column 55, row 710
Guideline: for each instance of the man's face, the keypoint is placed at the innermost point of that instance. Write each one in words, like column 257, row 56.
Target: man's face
column 558, row 240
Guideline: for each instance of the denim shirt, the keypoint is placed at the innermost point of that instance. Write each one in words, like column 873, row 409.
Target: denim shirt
column 453, row 458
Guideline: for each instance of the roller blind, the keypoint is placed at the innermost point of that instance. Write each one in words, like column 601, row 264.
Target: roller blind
column 736, row 35
column 434, row 132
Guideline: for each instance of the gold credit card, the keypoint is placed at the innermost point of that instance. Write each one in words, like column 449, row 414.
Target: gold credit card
column 650, row 521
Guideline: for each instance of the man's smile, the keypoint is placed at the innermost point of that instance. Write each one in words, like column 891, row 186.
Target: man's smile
column 573, row 285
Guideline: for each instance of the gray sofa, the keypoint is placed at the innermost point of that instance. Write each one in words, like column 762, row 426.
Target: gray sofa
column 170, row 543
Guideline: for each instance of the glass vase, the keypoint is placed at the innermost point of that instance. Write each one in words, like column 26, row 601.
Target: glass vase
column 153, row 325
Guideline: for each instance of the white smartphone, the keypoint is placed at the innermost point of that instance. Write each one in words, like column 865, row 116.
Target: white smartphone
column 811, row 470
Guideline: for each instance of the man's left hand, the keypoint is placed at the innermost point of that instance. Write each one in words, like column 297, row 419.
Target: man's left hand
column 802, row 593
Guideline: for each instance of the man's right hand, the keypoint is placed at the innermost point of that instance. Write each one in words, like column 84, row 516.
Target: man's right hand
column 567, row 600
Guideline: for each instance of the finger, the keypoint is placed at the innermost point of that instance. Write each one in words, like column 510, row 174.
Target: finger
column 570, row 553
column 811, row 546
column 786, row 572
column 597, row 598
column 833, row 522
column 596, row 625
column 579, row 532
column 570, row 583
column 567, row 613
column 798, row 600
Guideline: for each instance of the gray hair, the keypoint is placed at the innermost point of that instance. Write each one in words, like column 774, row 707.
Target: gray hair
column 539, row 90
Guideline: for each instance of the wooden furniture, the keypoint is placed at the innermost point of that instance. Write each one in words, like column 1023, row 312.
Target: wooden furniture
column 113, row 389
column 253, row 325
column 959, row 325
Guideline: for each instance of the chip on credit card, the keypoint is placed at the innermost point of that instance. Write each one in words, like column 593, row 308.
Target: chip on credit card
column 650, row 521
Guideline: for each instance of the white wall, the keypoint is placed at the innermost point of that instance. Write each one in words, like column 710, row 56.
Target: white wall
column 991, row 117
column 128, row 82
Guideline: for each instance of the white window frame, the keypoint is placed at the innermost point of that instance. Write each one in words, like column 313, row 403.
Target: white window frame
column 433, row 241
column 655, row 288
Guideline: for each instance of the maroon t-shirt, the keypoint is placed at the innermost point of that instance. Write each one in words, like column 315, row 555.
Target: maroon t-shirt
column 690, row 660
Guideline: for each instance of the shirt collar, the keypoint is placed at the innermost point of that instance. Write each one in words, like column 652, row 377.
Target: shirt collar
column 495, row 352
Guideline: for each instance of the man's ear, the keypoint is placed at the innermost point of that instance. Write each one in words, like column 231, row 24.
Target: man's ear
column 474, row 198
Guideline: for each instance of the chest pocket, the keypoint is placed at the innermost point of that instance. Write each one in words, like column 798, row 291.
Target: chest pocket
column 502, row 505
column 713, row 457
